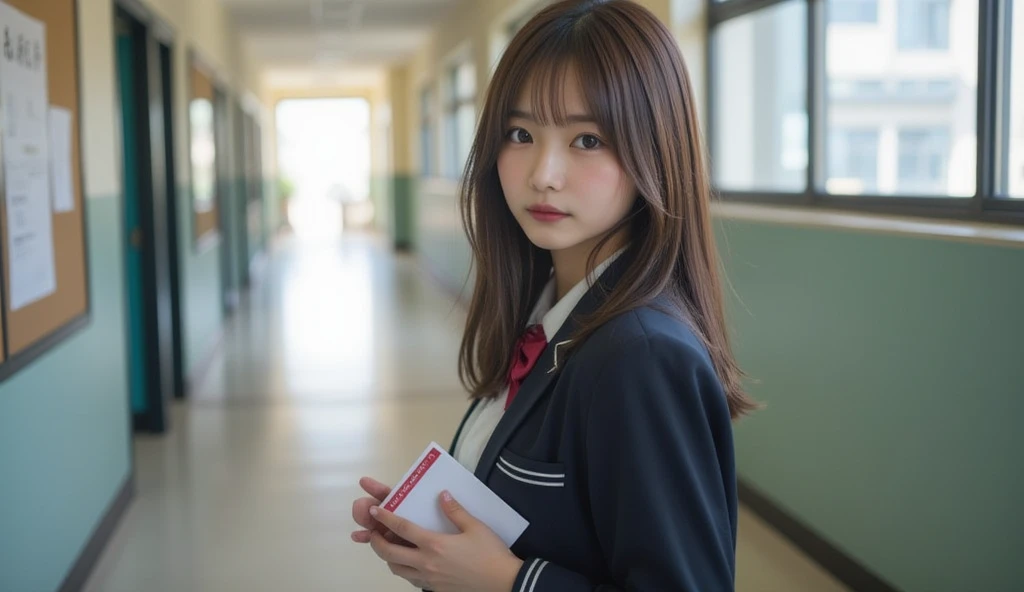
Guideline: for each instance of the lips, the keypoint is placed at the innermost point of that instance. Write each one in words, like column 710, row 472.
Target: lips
column 545, row 213
column 545, row 209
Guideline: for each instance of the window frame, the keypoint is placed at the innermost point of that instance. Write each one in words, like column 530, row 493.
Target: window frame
column 987, row 204
column 453, row 104
column 428, row 131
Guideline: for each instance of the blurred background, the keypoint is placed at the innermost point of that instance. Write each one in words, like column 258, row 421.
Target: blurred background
column 275, row 276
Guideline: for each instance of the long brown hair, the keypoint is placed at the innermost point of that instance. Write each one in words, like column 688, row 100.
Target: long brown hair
column 637, row 88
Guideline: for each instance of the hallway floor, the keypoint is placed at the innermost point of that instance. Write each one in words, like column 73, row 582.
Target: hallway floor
column 340, row 363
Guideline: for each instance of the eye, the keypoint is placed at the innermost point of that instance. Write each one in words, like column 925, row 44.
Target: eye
column 588, row 142
column 518, row 135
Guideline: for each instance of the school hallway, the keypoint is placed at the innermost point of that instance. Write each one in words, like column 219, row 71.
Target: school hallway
column 340, row 363
column 231, row 243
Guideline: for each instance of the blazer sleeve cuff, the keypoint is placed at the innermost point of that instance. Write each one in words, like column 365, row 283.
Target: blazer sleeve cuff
column 538, row 575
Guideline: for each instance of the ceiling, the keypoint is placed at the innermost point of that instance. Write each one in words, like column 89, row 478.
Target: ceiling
column 316, row 42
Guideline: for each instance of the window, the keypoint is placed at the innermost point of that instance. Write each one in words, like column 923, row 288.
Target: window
column 925, row 90
column 923, row 24
column 427, row 160
column 460, row 116
column 853, row 161
column 871, row 86
column 853, row 11
column 907, row 106
column 909, row 89
column 923, row 161
column 1012, row 120
column 760, row 115
column 856, row 90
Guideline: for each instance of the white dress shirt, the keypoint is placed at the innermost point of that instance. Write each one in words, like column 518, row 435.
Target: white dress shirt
column 481, row 423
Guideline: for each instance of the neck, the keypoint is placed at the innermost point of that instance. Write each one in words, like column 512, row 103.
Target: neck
column 571, row 264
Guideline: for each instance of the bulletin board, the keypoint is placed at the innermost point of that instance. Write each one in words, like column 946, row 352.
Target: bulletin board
column 202, row 151
column 34, row 325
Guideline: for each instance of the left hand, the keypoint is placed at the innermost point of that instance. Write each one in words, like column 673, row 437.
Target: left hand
column 475, row 560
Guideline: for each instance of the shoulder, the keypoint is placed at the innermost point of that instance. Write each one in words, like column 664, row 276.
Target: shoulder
column 644, row 336
column 648, row 361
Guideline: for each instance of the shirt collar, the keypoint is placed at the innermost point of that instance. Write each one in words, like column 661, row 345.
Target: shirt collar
column 552, row 315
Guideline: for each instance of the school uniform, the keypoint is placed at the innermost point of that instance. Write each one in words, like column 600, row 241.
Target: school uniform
column 619, row 455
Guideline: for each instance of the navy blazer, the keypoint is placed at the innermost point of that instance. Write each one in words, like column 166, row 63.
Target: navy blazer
column 621, row 458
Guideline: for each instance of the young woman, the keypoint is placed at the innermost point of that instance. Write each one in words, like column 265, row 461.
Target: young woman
column 595, row 350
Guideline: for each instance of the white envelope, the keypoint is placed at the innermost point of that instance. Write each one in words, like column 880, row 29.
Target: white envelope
column 417, row 497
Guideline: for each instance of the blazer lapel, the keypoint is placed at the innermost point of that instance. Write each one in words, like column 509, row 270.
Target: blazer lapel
column 536, row 383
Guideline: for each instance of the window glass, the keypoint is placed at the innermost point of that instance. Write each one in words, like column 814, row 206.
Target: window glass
column 913, row 112
column 760, row 91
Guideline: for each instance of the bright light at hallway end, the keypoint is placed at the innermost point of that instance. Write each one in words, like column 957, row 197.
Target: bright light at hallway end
column 324, row 164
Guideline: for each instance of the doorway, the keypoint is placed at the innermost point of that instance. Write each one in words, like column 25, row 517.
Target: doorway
column 143, row 65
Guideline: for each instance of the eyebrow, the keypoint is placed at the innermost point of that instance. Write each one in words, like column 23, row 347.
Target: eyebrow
column 569, row 118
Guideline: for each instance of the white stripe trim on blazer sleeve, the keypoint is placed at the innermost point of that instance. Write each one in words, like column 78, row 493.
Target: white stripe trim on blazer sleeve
column 529, row 575
column 536, row 576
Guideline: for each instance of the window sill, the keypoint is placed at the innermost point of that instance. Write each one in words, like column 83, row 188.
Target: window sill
column 971, row 232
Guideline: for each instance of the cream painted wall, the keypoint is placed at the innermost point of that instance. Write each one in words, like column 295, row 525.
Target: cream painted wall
column 402, row 145
column 661, row 8
column 210, row 30
column 688, row 19
column 100, row 121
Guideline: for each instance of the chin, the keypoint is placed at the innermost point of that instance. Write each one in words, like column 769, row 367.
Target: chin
column 549, row 241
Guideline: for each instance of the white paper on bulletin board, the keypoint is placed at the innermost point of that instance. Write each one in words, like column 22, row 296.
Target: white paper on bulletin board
column 26, row 113
column 60, row 160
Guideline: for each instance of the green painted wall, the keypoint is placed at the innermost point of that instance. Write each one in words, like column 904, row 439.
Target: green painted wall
column 64, row 420
column 438, row 236
column 891, row 370
column 382, row 198
column 256, row 227
column 394, row 199
column 273, row 207
column 234, row 225
column 201, row 311
column 891, row 367
column 403, row 211
column 64, row 433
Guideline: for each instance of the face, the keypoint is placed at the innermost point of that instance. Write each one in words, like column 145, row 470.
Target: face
column 564, row 185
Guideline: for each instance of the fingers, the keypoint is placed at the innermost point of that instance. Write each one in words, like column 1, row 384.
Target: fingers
column 375, row 488
column 361, row 512
column 409, row 574
column 393, row 553
column 456, row 513
column 363, row 536
column 400, row 526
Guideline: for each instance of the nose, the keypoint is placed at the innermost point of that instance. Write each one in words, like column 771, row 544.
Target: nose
column 548, row 172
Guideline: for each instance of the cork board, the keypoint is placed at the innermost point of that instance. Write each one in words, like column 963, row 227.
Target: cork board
column 203, row 152
column 37, row 320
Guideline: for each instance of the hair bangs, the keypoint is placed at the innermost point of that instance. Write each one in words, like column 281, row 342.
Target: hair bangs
column 548, row 68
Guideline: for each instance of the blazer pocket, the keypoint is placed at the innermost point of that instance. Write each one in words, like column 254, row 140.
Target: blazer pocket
column 531, row 472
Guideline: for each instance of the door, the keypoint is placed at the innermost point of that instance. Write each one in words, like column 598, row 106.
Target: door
column 171, row 213
column 147, row 294
column 127, row 83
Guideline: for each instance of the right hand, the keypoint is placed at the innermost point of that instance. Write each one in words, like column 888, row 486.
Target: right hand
column 361, row 513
